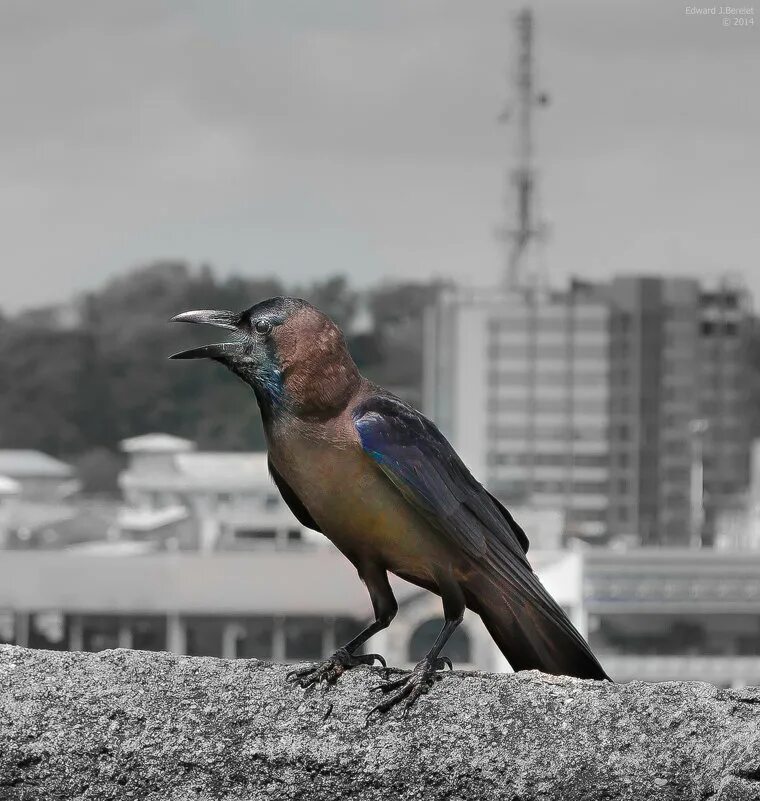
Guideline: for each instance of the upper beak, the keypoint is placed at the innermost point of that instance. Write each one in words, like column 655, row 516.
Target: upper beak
column 220, row 319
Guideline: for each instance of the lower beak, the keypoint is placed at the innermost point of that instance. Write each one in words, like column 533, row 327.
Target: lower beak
column 220, row 352
column 219, row 319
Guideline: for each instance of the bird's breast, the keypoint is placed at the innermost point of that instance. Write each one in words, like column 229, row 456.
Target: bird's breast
column 358, row 508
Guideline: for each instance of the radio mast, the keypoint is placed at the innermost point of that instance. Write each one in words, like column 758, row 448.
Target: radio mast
column 524, row 228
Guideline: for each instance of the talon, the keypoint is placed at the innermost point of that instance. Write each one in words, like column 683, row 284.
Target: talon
column 329, row 671
column 368, row 659
column 411, row 686
column 379, row 658
column 293, row 676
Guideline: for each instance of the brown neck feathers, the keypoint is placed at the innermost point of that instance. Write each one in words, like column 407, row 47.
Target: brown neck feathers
column 319, row 375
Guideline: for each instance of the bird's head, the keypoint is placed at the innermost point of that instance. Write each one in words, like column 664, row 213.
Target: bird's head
column 291, row 354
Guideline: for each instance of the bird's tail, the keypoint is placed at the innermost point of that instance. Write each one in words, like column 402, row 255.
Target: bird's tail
column 531, row 629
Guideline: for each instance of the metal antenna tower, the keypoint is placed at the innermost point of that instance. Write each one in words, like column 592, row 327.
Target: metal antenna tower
column 526, row 227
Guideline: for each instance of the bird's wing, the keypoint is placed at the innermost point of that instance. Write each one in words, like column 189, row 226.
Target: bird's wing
column 292, row 500
column 528, row 625
column 423, row 466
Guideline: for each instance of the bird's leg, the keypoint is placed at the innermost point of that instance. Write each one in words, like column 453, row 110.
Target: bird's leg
column 329, row 671
column 427, row 671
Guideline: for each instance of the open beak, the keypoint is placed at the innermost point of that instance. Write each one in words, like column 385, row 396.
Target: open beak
column 221, row 319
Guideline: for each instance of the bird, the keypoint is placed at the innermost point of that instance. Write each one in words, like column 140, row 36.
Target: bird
column 377, row 478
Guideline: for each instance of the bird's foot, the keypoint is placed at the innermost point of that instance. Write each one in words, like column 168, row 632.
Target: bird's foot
column 410, row 687
column 331, row 669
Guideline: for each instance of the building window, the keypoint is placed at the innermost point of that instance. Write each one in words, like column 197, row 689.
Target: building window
column 204, row 636
column 255, row 534
column 304, row 638
column 709, row 328
column 100, row 633
column 457, row 648
column 255, row 639
column 148, row 633
column 586, row 516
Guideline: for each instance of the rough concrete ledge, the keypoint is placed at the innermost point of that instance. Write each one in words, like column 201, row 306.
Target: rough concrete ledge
column 131, row 724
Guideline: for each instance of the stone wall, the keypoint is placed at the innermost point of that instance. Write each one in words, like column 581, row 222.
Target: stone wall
column 130, row 724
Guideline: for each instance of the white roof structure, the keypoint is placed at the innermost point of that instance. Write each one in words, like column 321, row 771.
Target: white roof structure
column 104, row 548
column 8, row 486
column 246, row 467
column 157, row 443
column 20, row 464
column 140, row 519
column 185, row 469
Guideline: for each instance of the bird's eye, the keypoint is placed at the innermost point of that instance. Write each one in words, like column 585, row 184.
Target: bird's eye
column 263, row 326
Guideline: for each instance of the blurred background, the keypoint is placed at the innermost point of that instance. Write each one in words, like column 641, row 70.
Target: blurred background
column 539, row 225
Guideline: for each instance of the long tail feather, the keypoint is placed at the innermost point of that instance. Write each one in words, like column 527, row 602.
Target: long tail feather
column 532, row 631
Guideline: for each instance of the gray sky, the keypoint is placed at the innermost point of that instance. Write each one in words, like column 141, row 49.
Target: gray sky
column 306, row 138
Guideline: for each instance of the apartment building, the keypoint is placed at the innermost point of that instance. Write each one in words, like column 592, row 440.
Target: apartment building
column 619, row 403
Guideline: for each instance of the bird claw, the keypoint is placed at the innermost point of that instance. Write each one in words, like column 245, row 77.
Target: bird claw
column 331, row 669
column 411, row 686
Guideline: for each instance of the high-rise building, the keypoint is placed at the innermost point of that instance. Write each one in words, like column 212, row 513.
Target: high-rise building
column 619, row 403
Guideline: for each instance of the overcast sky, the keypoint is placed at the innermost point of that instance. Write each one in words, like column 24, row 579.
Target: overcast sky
column 307, row 138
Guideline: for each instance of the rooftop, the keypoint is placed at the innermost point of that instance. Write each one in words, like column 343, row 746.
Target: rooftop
column 150, row 519
column 8, row 486
column 157, row 443
column 17, row 464
column 236, row 466
column 206, row 470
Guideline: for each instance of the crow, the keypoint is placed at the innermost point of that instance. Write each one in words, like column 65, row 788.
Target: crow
column 378, row 479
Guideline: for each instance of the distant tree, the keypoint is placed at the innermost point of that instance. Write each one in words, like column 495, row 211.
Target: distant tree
column 398, row 311
column 98, row 470
column 39, row 403
column 333, row 296
column 402, row 302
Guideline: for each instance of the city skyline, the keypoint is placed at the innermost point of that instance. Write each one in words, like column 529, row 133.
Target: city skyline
column 363, row 140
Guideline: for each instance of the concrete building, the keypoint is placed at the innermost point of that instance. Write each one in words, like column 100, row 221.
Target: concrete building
column 228, row 499
column 39, row 477
column 738, row 523
column 620, row 404
column 679, row 407
column 662, row 614
column 651, row 614
column 519, row 383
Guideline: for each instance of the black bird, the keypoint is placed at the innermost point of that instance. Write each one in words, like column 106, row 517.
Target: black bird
column 378, row 478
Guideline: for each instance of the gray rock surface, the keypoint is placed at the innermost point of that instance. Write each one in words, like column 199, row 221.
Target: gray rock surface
column 131, row 724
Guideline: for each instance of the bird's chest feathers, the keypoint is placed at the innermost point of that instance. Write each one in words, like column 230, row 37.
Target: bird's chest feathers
column 354, row 505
